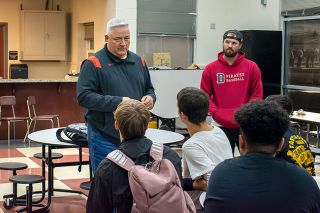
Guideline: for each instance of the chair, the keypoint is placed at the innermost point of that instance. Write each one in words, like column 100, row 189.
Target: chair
column 10, row 102
column 31, row 103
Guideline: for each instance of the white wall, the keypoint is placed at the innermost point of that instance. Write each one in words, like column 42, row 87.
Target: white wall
column 230, row 14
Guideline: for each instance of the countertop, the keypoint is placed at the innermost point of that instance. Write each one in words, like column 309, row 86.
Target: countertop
column 37, row 80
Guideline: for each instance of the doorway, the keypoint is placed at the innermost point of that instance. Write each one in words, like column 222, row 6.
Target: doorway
column 3, row 50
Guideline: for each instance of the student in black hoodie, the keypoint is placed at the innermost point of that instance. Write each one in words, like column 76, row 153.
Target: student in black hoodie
column 263, row 183
column 110, row 190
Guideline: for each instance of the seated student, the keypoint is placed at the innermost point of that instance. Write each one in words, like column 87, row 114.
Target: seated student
column 257, row 181
column 110, row 190
column 295, row 149
column 207, row 146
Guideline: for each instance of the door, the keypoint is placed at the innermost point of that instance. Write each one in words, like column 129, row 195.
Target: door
column 55, row 34
column 2, row 51
column 33, row 34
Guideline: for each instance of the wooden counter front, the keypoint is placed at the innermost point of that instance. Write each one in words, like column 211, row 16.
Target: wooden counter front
column 53, row 97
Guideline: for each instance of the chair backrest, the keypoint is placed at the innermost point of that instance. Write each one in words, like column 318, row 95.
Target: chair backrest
column 8, row 101
column 31, row 102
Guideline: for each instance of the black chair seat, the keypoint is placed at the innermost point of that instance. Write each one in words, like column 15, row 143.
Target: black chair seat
column 13, row 166
column 54, row 155
column 26, row 179
column 85, row 185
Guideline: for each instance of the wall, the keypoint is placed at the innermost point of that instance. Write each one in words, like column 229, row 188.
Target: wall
column 242, row 15
column 231, row 14
column 128, row 9
column 83, row 11
column 10, row 13
column 101, row 11
column 299, row 4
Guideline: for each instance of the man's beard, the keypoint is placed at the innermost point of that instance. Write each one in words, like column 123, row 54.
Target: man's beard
column 230, row 54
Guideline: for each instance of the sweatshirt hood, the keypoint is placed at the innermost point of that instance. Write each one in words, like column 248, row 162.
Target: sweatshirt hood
column 239, row 58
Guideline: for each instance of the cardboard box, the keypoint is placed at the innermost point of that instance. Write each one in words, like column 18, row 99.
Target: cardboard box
column 162, row 59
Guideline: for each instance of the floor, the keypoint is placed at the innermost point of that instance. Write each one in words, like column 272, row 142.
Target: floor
column 64, row 177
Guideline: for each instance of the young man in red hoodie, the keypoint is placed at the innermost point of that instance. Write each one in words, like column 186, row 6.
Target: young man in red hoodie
column 231, row 81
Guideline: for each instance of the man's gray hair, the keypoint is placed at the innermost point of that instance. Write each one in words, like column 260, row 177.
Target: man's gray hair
column 115, row 22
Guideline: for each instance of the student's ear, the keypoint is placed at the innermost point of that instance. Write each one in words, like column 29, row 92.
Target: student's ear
column 183, row 116
column 242, row 144
column 280, row 144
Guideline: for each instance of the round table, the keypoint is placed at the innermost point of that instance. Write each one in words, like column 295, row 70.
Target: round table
column 164, row 136
column 48, row 137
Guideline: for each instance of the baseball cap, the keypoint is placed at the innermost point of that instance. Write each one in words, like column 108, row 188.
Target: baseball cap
column 234, row 34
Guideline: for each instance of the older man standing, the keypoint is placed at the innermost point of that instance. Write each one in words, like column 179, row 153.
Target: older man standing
column 231, row 81
column 114, row 74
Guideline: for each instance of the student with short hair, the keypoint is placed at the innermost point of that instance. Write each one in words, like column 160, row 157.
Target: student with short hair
column 207, row 146
column 110, row 191
column 257, row 181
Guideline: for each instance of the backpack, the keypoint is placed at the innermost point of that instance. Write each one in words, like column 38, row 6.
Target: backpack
column 76, row 132
column 155, row 187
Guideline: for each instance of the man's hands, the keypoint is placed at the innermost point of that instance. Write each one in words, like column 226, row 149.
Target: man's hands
column 147, row 101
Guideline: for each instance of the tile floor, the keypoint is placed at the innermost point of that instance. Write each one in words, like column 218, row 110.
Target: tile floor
column 64, row 177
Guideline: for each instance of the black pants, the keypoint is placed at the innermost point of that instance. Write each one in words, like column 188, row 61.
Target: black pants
column 233, row 136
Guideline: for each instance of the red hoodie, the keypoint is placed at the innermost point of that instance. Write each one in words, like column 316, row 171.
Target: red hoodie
column 230, row 86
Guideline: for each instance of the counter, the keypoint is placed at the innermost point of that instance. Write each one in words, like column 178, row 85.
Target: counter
column 36, row 80
column 54, row 96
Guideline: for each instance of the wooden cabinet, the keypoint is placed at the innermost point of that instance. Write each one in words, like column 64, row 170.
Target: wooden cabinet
column 43, row 35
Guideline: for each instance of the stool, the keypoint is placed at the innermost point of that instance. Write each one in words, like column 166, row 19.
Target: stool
column 54, row 155
column 28, row 179
column 12, row 166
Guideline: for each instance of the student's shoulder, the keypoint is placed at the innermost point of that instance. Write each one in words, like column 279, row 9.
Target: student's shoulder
column 191, row 143
column 105, row 168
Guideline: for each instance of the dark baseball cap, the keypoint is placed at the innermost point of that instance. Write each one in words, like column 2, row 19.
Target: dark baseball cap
column 234, row 34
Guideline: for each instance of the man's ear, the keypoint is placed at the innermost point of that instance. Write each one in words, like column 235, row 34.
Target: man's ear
column 280, row 144
column 242, row 144
column 106, row 38
column 240, row 46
